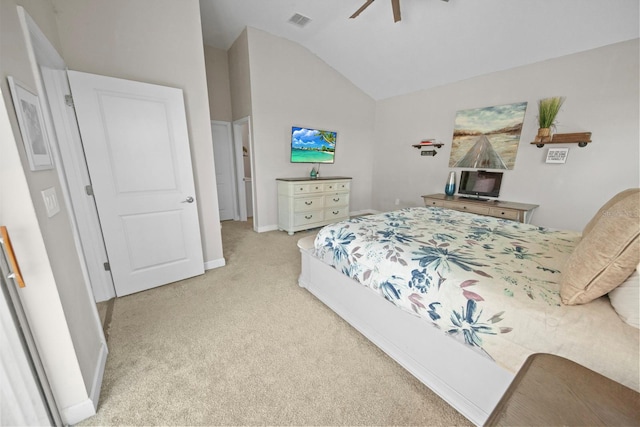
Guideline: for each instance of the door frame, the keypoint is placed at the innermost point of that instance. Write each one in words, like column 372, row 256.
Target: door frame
column 240, row 175
column 235, row 190
column 87, row 222
column 70, row 163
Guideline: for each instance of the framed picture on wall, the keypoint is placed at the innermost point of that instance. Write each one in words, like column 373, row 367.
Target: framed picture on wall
column 32, row 127
column 488, row 137
column 557, row 155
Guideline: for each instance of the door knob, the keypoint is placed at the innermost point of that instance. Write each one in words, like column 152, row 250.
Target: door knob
column 188, row 200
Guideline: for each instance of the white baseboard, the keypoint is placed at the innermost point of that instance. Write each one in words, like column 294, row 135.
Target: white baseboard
column 214, row 263
column 267, row 228
column 97, row 376
column 72, row 415
column 364, row 212
column 87, row 408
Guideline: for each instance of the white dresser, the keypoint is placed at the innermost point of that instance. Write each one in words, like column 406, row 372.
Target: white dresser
column 305, row 203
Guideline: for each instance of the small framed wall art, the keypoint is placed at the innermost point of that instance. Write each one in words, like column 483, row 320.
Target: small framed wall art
column 557, row 155
column 32, row 126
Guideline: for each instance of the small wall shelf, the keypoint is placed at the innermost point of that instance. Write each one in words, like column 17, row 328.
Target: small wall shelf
column 581, row 138
column 435, row 144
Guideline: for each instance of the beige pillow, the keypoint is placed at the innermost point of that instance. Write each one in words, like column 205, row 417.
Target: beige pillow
column 625, row 299
column 606, row 255
column 615, row 199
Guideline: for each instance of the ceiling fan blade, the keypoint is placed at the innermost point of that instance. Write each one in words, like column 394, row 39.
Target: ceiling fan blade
column 363, row 7
column 395, row 4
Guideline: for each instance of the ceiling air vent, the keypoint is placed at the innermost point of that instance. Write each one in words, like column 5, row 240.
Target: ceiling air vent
column 299, row 20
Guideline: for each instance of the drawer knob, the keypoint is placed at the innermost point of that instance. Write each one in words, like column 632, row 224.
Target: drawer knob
column 308, row 216
column 308, row 203
column 336, row 212
column 336, row 200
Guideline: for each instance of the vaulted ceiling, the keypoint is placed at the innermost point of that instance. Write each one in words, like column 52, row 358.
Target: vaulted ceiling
column 436, row 42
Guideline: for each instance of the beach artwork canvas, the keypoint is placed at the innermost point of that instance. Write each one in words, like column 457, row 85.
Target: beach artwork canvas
column 312, row 145
column 487, row 138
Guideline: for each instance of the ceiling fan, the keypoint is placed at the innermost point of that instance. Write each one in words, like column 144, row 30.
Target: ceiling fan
column 395, row 5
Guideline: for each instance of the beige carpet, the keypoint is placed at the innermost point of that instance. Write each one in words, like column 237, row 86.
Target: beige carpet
column 244, row 345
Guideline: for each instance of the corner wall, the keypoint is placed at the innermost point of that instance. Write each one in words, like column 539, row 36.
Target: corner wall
column 290, row 86
column 602, row 92
column 218, row 83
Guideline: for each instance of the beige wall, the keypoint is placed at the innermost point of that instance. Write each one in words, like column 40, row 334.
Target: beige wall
column 240, row 77
column 159, row 42
column 269, row 76
column 218, row 84
column 57, row 299
column 601, row 89
column 290, row 86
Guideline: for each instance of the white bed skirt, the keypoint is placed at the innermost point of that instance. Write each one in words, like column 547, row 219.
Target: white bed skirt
column 468, row 381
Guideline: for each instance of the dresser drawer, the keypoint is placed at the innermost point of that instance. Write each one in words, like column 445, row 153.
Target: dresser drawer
column 308, row 188
column 336, row 214
column 304, row 218
column 504, row 213
column 467, row 208
column 336, row 200
column 304, row 204
column 432, row 202
column 301, row 188
column 336, row 186
column 316, row 187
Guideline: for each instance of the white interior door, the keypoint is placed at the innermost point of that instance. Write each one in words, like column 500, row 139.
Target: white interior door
column 137, row 149
column 223, row 158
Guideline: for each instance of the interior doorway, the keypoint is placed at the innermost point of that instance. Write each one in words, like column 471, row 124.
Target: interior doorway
column 223, row 156
column 244, row 168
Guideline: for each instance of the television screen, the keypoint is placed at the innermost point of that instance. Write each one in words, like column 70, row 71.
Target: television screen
column 312, row 145
column 480, row 183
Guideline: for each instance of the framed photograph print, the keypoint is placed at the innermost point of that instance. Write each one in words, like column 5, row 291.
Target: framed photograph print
column 488, row 137
column 32, row 127
column 557, row 155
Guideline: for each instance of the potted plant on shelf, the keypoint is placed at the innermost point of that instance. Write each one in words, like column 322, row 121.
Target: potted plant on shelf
column 548, row 109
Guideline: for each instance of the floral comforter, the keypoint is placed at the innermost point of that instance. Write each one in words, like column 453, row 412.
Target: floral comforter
column 490, row 283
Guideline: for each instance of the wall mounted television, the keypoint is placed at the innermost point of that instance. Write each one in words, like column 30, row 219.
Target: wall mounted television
column 480, row 183
column 310, row 145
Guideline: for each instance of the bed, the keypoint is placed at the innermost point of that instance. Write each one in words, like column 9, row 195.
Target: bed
column 461, row 300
